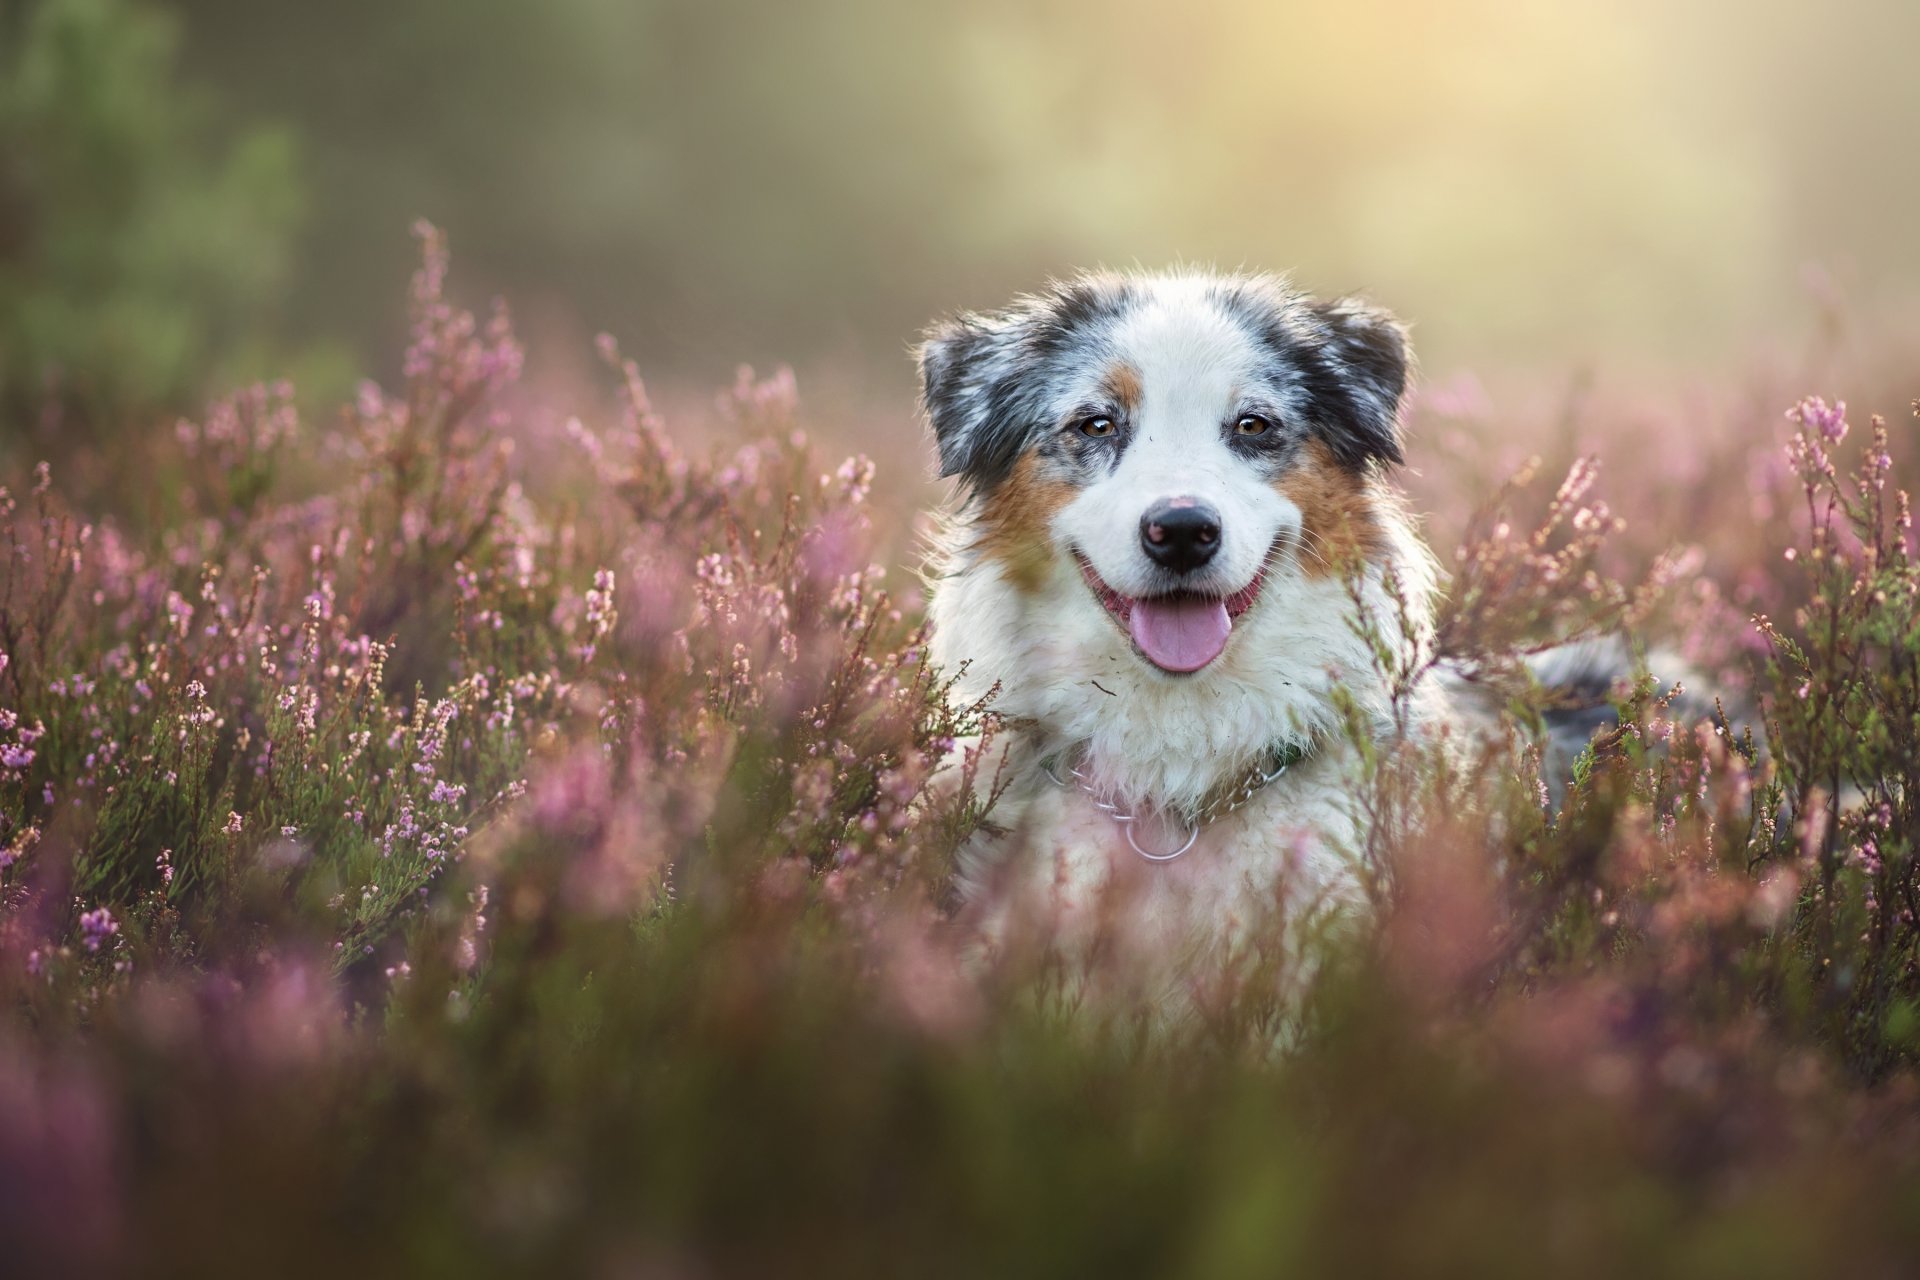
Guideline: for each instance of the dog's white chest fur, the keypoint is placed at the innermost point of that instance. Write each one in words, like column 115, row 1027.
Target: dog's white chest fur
column 1065, row 871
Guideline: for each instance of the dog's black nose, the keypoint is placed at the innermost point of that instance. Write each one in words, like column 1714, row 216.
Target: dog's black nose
column 1180, row 533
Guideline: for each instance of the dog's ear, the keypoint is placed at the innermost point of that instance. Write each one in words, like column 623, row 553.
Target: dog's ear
column 1368, row 362
column 966, row 367
column 986, row 378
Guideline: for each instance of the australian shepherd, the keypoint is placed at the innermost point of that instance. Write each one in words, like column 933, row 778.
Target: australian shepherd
column 1175, row 509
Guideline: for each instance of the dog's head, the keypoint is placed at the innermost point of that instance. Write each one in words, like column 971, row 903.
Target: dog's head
column 1176, row 438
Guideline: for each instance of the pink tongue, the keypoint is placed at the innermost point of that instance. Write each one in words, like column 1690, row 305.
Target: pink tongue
column 1180, row 635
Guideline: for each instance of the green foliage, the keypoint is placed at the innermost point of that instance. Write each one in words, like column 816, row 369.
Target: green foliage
column 139, row 242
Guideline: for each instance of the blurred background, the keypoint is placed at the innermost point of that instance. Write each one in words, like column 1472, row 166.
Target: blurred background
column 199, row 192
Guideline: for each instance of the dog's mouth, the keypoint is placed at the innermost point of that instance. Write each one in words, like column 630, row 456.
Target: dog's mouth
column 1181, row 631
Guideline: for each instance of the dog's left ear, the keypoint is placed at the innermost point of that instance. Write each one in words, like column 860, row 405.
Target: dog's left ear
column 1369, row 363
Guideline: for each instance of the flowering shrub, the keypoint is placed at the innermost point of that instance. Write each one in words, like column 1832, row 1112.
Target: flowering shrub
column 462, row 836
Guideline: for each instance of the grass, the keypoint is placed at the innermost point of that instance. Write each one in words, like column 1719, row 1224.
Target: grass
column 435, row 841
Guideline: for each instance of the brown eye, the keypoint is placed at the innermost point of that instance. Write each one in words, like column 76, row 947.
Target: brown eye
column 1251, row 424
column 1097, row 427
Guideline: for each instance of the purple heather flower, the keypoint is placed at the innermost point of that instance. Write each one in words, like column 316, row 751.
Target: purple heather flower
column 96, row 927
column 1830, row 420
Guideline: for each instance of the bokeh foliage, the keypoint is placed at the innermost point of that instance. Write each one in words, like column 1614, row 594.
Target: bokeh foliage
column 1627, row 183
column 142, row 249
column 722, row 180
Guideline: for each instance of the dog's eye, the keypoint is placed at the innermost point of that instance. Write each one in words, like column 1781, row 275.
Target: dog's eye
column 1251, row 424
column 1096, row 427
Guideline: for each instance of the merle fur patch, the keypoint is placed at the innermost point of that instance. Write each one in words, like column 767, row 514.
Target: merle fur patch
column 1352, row 360
column 988, row 379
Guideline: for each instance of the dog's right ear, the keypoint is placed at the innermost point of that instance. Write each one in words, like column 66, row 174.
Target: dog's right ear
column 968, row 368
column 984, row 377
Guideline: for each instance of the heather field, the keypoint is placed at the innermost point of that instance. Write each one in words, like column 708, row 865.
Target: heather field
column 467, row 832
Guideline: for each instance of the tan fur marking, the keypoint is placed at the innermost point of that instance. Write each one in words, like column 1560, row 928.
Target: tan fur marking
column 1013, row 526
column 1337, row 511
column 1122, row 385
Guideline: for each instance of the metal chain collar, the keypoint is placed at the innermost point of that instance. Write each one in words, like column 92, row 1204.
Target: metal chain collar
column 1279, row 759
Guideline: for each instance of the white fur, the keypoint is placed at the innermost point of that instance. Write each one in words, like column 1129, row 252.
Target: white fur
column 1072, row 682
column 1195, row 367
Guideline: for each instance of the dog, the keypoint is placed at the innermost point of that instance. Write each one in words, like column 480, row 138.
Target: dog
column 1175, row 559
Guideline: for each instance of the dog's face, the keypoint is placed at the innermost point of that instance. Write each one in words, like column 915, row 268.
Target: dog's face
column 1173, row 437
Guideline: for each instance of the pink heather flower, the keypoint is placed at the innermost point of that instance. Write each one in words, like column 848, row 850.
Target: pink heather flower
column 856, row 478
column 467, row 950
column 405, row 828
column 235, row 824
column 600, row 612
column 1867, row 856
column 1829, row 420
column 446, row 342
column 369, row 400
column 578, row 432
column 96, row 927
column 434, row 739
column 15, row 757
